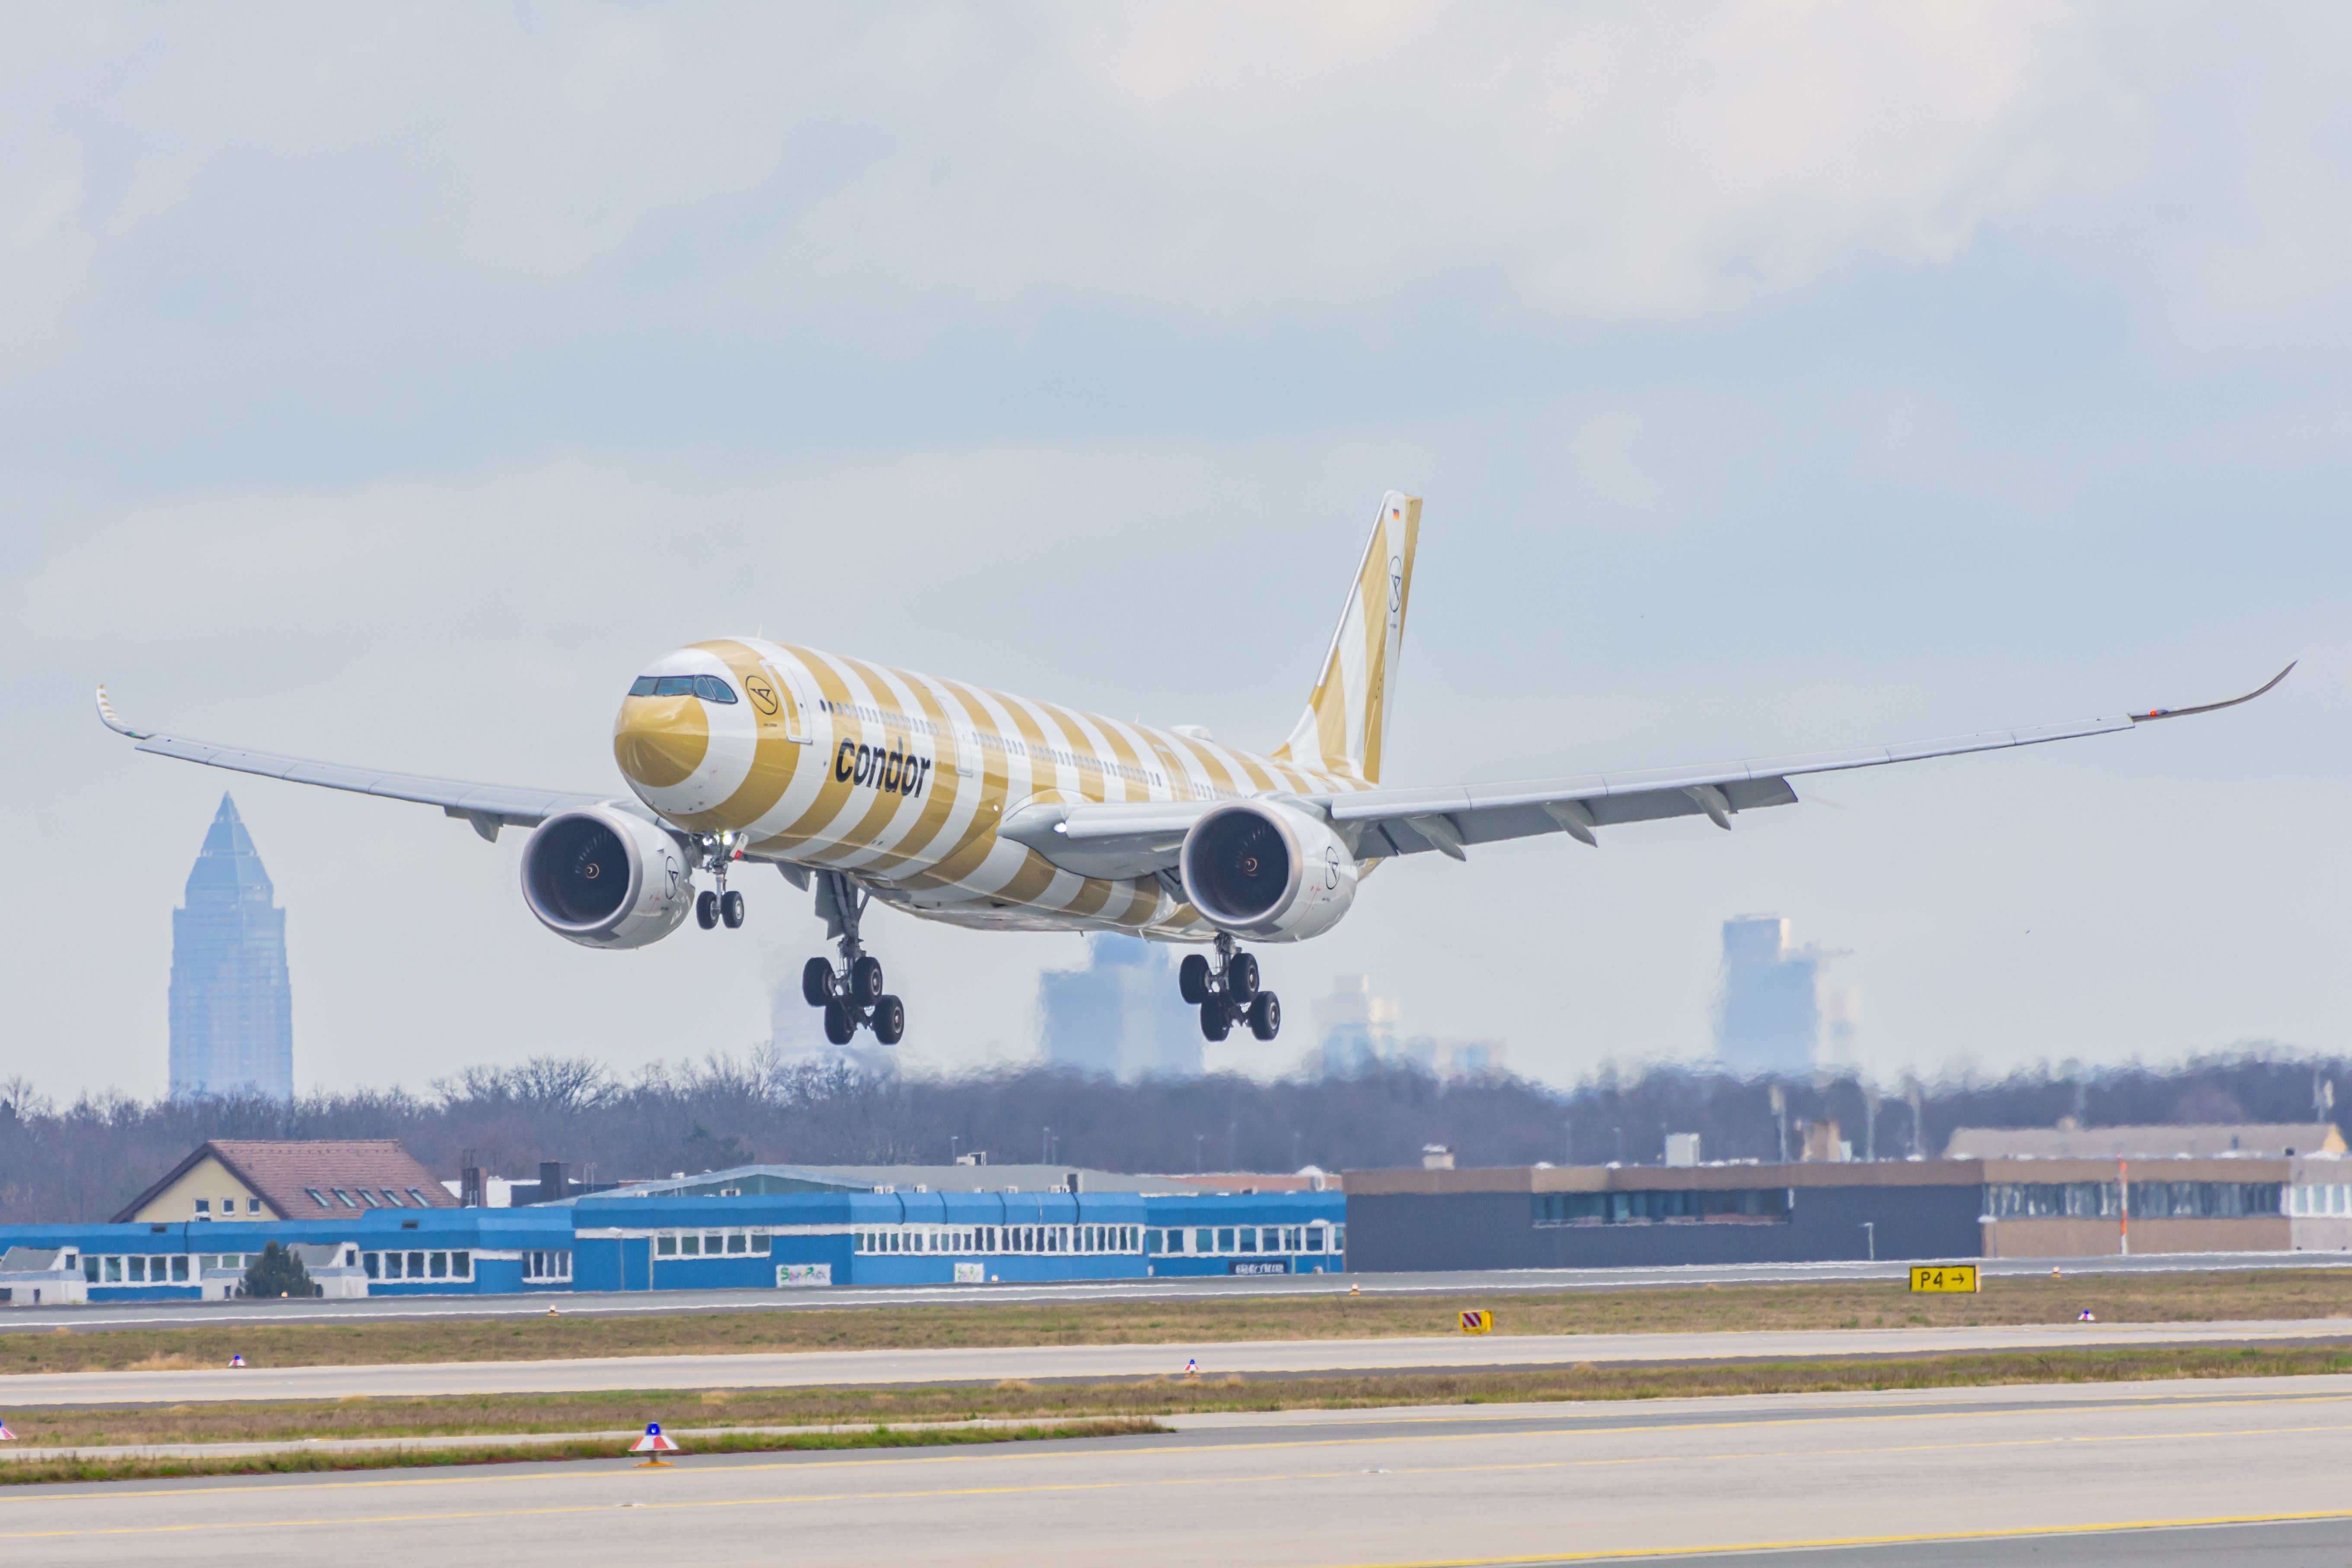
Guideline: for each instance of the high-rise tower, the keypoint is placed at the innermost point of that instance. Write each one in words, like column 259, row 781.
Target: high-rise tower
column 1120, row 1015
column 1768, row 1017
column 232, row 1004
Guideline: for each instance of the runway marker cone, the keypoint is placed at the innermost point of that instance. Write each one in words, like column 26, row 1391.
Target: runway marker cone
column 2086, row 1317
column 554, row 1313
column 6, row 1435
column 2055, row 1274
column 1354, row 1289
column 236, row 1361
column 654, row 1443
column 1192, row 1368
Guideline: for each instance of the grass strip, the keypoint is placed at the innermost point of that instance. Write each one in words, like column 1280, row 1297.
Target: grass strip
column 1137, row 1401
column 101, row 1467
column 974, row 1322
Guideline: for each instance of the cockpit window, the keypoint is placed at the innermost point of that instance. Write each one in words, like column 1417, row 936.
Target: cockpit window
column 709, row 687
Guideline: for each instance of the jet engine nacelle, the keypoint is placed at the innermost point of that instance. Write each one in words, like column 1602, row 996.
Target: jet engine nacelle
column 1263, row 870
column 605, row 879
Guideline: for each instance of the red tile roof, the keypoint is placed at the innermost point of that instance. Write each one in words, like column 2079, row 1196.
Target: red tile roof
column 283, row 1175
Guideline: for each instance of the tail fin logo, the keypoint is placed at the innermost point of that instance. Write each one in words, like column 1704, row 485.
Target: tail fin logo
column 1346, row 721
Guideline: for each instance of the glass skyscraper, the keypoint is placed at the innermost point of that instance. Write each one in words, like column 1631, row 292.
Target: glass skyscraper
column 232, row 1003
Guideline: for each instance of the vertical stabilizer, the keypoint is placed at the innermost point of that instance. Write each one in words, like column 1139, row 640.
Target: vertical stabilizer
column 1345, row 724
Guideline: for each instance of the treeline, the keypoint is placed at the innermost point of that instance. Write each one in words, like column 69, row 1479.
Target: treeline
column 85, row 1161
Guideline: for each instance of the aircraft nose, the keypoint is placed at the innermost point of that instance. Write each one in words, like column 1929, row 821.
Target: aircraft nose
column 660, row 741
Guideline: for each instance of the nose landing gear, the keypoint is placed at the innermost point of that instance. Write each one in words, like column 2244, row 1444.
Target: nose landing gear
column 1228, row 993
column 717, row 852
column 852, row 995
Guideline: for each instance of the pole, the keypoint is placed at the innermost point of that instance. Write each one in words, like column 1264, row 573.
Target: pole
column 1870, row 1237
column 2122, row 1206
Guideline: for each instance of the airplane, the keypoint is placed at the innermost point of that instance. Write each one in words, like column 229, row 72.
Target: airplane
column 859, row 782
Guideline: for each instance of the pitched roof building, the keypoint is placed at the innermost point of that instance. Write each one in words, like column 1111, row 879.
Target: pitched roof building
column 240, row 1179
column 2263, row 1139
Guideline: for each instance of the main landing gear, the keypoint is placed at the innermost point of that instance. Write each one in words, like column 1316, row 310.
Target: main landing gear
column 718, row 851
column 852, row 995
column 1228, row 994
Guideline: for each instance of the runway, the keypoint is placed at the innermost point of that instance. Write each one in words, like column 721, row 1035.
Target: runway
column 2083, row 1476
column 663, row 1303
column 854, row 1368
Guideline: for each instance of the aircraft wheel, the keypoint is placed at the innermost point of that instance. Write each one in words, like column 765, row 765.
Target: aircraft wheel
column 817, row 982
column 890, row 1020
column 730, row 908
column 1192, row 979
column 1265, row 1015
column 1215, row 1022
column 839, row 1026
column 706, row 909
column 1241, row 977
column 866, row 980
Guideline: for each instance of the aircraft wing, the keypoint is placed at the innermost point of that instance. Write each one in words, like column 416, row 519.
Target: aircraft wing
column 1141, row 837
column 488, row 807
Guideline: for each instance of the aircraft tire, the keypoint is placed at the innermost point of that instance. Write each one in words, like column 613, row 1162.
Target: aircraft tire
column 1215, row 1022
column 839, row 1026
column 730, row 908
column 816, row 982
column 706, row 909
column 1192, row 979
column 1241, row 977
column 890, row 1020
column 1265, row 1015
column 866, row 980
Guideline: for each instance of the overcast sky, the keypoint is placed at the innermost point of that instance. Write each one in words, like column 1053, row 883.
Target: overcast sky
column 390, row 384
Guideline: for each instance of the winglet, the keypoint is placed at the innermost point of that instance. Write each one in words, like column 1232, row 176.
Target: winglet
column 113, row 720
column 2214, row 707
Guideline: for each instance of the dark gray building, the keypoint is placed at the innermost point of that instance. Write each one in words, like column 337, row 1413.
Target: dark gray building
column 232, row 1000
column 1828, row 1211
column 1603, row 1217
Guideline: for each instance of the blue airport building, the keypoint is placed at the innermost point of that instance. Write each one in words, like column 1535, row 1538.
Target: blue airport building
column 758, row 1227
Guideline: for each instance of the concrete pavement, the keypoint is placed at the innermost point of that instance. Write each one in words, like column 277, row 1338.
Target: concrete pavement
column 2110, row 1475
column 1256, row 1358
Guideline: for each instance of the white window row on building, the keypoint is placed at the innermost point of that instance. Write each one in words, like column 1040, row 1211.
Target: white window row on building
column 2334, row 1199
column 1241, row 1241
column 711, row 1243
column 135, row 1269
column 418, row 1265
column 546, row 1267
column 1001, row 1239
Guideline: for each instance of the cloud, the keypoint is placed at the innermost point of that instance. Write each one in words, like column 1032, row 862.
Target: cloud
column 279, row 210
